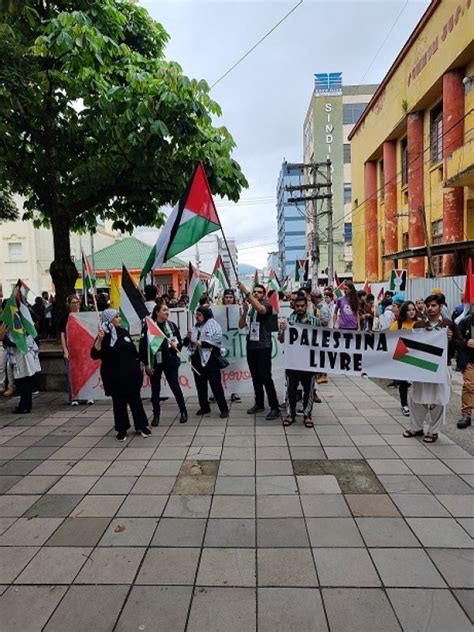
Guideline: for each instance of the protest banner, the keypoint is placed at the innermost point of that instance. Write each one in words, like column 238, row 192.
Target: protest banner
column 85, row 372
column 414, row 355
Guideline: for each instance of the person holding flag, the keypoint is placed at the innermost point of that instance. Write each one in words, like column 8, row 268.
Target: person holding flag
column 159, row 348
column 257, row 318
column 121, row 374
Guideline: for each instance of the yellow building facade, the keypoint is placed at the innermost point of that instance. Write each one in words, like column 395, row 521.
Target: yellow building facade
column 413, row 154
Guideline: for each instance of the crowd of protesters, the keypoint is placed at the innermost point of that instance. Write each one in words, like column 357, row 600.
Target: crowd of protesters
column 123, row 364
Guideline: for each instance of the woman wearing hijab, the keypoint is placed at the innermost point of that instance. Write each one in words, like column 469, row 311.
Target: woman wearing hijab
column 166, row 361
column 204, row 343
column 121, row 374
column 407, row 318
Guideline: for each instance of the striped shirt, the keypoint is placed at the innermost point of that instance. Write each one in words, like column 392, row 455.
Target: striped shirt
column 293, row 319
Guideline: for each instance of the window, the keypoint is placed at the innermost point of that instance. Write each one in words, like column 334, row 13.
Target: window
column 436, row 134
column 347, row 233
column 351, row 112
column 405, row 241
column 15, row 251
column 347, row 152
column 437, row 238
column 381, row 181
column 347, row 193
column 404, row 157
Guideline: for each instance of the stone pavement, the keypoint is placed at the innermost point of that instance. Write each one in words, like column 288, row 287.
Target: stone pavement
column 234, row 525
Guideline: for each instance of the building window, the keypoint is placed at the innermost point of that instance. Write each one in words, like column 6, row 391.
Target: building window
column 15, row 251
column 436, row 134
column 347, row 233
column 351, row 112
column 382, row 180
column 405, row 241
column 437, row 238
column 404, row 159
column 347, row 193
column 347, row 152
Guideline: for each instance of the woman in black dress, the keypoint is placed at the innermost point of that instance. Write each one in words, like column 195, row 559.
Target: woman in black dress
column 121, row 374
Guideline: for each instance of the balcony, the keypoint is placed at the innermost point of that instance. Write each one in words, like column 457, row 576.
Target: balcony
column 459, row 166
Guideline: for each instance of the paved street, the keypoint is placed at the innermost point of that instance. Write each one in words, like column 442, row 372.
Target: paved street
column 234, row 525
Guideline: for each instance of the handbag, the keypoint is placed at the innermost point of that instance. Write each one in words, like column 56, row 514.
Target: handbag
column 222, row 363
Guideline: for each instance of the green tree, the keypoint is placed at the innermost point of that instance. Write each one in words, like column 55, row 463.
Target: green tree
column 95, row 122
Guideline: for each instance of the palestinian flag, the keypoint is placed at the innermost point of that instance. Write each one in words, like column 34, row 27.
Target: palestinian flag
column 219, row 275
column 155, row 337
column 88, row 275
column 339, row 290
column 12, row 319
column 398, row 280
column 367, row 287
column 418, row 354
column 274, row 300
column 273, row 283
column 195, row 288
column 380, row 294
column 25, row 314
column 336, row 281
column 193, row 217
column 256, row 279
column 301, row 270
column 132, row 306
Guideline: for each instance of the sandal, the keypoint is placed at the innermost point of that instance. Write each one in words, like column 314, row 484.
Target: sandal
column 408, row 434
column 288, row 420
column 308, row 422
column 430, row 438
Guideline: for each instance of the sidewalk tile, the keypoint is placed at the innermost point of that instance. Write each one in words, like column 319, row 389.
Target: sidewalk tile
column 89, row 468
column 342, row 453
column 29, row 531
column 458, row 505
column 227, row 567
column 440, row 532
column 449, row 484
column 97, row 506
column 79, row 532
column 54, row 506
column 129, row 532
column 30, row 484
column 281, row 532
column 27, row 608
column 325, row 506
column 372, row 505
column 230, row 532
column 15, row 506
column 238, row 468
column 406, row 568
column 333, row 532
column 143, row 506
column 283, row 609
column 363, row 610
column 466, row 599
column 403, row 484
column 419, row 505
column 163, row 566
column 73, row 485
column 88, row 608
column 179, row 532
column 13, row 560
column 345, row 567
column 443, row 612
column 182, row 506
column 217, row 609
column 233, row 507
column 126, row 468
column 269, row 485
column 279, row 506
column 388, row 466
column 274, row 468
column 114, row 485
column 286, row 567
column 319, row 484
column 456, row 566
column 54, row 566
column 386, row 532
column 153, row 485
column 235, row 485
column 427, row 466
column 111, row 566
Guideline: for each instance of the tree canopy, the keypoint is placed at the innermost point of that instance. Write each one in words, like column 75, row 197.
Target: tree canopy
column 95, row 122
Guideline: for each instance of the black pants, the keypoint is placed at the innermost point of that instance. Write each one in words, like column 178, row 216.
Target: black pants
column 171, row 374
column 260, row 366
column 121, row 419
column 403, row 390
column 209, row 374
column 24, row 386
column 306, row 379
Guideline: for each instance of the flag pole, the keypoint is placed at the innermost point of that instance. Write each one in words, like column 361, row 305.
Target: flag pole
column 94, row 297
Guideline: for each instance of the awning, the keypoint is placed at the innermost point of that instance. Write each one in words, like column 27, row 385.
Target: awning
column 436, row 249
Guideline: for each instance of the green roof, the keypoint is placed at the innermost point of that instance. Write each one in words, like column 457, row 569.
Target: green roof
column 129, row 251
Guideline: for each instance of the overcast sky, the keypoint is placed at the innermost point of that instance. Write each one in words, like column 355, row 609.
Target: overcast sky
column 264, row 100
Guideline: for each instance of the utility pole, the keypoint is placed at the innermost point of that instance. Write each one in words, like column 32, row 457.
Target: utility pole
column 323, row 170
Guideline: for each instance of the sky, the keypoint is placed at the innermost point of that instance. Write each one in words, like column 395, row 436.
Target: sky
column 264, row 99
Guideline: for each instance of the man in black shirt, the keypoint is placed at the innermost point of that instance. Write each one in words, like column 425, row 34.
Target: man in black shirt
column 257, row 317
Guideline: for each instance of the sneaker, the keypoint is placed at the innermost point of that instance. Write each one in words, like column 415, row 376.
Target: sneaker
column 273, row 414
column 235, row 398
column 255, row 409
column 405, row 411
column 74, row 402
column 35, row 393
column 90, row 402
column 121, row 436
column 145, row 432
column 464, row 422
column 212, row 399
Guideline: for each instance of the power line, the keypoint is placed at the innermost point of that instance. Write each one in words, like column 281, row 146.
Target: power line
column 384, row 41
column 227, row 72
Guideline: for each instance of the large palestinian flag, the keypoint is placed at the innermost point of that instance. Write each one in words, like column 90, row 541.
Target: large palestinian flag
column 155, row 337
column 220, row 275
column 419, row 354
column 195, row 288
column 192, row 218
column 132, row 306
column 301, row 270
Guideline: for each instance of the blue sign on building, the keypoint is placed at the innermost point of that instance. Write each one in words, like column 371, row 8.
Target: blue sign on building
column 328, row 82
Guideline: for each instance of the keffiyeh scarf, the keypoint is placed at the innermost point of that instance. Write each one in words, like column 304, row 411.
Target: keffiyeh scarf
column 209, row 332
column 107, row 316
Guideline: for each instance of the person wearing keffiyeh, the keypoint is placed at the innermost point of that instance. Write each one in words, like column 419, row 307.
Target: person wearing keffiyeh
column 204, row 343
column 121, row 374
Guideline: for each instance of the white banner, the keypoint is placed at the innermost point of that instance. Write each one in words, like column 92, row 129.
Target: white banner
column 414, row 355
column 85, row 372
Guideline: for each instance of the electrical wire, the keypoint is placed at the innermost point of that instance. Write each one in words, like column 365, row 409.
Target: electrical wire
column 245, row 55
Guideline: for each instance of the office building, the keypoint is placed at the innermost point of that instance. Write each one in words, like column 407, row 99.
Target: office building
column 290, row 221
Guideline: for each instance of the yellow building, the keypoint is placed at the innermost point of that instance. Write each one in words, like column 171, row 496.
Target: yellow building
column 413, row 154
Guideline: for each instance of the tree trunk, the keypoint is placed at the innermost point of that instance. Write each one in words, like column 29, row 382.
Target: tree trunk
column 62, row 269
